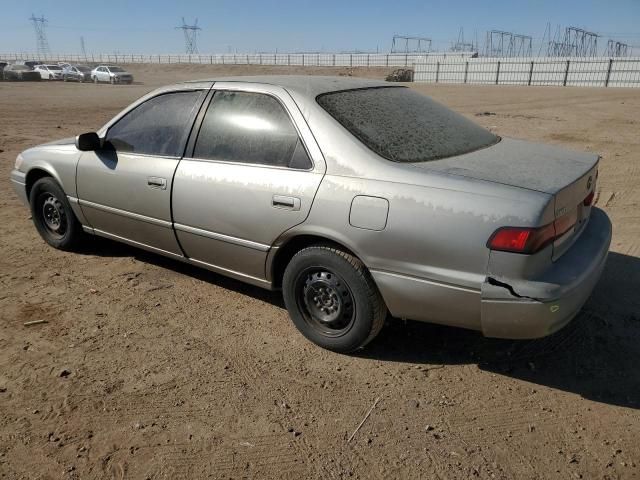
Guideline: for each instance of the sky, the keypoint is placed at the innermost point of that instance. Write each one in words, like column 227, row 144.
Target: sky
column 249, row 26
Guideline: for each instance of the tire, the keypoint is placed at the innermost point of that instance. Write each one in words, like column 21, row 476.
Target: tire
column 332, row 299
column 52, row 215
column 95, row 80
column 112, row 81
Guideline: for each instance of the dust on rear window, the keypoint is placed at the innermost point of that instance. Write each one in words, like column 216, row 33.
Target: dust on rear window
column 404, row 126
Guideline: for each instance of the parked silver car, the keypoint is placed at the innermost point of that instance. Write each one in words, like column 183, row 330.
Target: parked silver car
column 111, row 74
column 76, row 73
column 355, row 197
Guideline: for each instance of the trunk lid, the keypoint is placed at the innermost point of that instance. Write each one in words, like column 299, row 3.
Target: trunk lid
column 567, row 175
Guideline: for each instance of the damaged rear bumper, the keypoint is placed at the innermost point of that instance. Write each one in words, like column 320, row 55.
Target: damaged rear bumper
column 520, row 309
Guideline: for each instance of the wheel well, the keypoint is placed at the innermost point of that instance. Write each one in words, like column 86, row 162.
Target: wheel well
column 286, row 252
column 33, row 176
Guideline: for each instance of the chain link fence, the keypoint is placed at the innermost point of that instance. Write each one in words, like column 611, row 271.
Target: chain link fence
column 287, row 59
column 577, row 72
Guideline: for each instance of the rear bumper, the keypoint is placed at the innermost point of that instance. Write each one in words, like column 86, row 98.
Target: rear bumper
column 506, row 308
column 536, row 308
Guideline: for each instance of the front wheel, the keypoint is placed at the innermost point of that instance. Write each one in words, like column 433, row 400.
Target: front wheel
column 52, row 215
column 332, row 299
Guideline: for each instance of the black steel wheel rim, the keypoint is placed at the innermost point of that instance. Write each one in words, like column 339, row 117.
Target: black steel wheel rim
column 52, row 214
column 325, row 301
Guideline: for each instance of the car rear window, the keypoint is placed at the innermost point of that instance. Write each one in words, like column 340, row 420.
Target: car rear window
column 404, row 126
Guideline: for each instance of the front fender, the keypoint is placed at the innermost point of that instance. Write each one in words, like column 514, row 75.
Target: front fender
column 57, row 161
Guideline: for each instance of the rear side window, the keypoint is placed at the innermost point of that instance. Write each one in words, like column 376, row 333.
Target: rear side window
column 402, row 125
column 250, row 128
column 159, row 126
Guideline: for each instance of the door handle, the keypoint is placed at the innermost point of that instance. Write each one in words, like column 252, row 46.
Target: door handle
column 283, row 201
column 157, row 182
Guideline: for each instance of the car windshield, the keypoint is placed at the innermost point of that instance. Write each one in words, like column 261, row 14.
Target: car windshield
column 19, row 67
column 402, row 125
column 54, row 67
column 116, row 69
column 83, row 68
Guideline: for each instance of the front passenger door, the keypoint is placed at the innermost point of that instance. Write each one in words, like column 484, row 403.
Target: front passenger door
column 124, row 190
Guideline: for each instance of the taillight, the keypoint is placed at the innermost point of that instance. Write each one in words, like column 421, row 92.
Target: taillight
column 522, row 240
column 588, row 200
column 530, row 240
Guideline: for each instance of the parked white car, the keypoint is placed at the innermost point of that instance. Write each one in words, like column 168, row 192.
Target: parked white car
column 49, row 72
column 111, row 74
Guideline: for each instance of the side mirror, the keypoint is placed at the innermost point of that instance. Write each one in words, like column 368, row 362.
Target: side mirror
column 87, row 142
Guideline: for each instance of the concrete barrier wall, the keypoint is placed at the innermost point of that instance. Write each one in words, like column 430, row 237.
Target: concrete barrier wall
column 587, row 72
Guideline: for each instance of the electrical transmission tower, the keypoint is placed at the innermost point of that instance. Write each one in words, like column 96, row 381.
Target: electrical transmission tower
column 39, row 25
column 461, row 45
column 411, row 44
column 82, row 47
column 507, row 44
column 575, row 42
column 617, row 49
column 190, row 36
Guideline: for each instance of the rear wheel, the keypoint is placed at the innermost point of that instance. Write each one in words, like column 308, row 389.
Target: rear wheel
column 332, row 299
column 52, row 215
column 112, row 80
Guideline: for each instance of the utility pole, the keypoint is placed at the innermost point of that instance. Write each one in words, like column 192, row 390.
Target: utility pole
column 507, row 44
column 82, row 48
column 39, row 25
column 461, row 45
column 411, row 44
column 617, row 49
column 190, row 36
column 575, row 42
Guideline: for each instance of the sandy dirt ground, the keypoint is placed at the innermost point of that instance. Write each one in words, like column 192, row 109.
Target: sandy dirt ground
column 148, row 368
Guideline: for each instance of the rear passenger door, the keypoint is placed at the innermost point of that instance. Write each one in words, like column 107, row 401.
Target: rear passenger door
column 253, row 173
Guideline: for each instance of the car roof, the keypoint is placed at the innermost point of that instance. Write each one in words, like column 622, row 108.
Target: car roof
column 307, row 85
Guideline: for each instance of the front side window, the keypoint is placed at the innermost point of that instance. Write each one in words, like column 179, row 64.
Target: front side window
column 402, row 125
column 159, row 126
column 250, row 128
